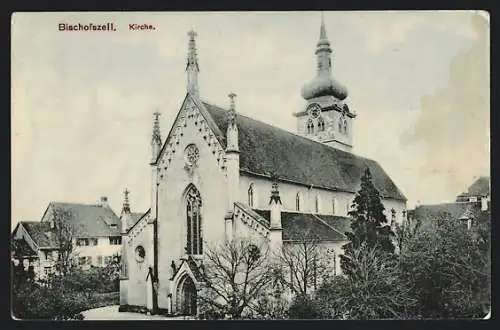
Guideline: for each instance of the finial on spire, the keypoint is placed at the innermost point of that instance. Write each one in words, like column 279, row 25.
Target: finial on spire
column 275, row 193
column 126, row 204
column 232, row 102
column 323, row 39
column 192, row 67
column 232, row 108
column 156, row 127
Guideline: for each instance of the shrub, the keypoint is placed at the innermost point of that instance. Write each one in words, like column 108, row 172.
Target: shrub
column 35, row 301
column 303, row 307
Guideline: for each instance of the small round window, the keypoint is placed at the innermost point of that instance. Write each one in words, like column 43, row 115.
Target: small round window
column 140, row 253
column 191, row 155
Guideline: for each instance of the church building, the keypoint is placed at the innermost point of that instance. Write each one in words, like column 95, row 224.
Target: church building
column 219, row 174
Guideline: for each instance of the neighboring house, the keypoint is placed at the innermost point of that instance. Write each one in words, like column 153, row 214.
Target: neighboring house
column 220, row 175
column 468, row 207
column 478, row 190
column 95, row 235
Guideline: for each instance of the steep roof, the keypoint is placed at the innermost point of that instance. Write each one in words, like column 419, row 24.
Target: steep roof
column 458, row 211
column 480, row 187
column 40, row 233
column 21, row 248
column 432, row 211
column 132, row 218
column 90, row 220
column 265, row 148
column 311, row 226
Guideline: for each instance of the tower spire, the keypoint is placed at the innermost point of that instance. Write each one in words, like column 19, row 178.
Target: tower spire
column 322, row 32
column 192, row 67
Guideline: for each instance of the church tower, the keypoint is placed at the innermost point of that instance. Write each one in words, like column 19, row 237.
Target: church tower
column 326, row 117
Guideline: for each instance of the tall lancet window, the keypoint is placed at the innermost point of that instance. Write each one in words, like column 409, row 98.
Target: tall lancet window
column 345, row 127
column 321, row 124
column 340, row 125
column 251, row 195
column 310, row 127
column 297, row 202
column 194, row 243
column 316, row 204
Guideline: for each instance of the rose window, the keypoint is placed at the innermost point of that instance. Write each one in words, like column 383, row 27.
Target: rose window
column 192, row 154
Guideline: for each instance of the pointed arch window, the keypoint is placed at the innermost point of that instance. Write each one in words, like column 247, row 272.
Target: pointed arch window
column 310, row 127
column 340, row 125
column 194, row 243
column 321, row 124
column 251, row 195
column 297, row 202
column 345, row 127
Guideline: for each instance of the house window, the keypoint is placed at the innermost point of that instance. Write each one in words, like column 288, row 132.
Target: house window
column 316, row 204
column 46, row 255
column 345, row 127
column 99, row 260
column 347, row 207
column 108, row 260
column 393, row 217
column 47, row 270
column 333, row 205
column 251, row 195
column 89, row 260
column 194, row 243
column 340, row 125
column 93, row 241
column 297, row 202
column 82, row 261
column 115, row 240
column 82, row 241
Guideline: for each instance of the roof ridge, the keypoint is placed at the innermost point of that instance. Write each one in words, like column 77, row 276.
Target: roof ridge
column 76, row 203
column 285, row 130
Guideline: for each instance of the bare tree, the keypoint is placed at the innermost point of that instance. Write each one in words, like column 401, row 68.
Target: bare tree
column 302, row 263
column 64, row 231
column 236, row 276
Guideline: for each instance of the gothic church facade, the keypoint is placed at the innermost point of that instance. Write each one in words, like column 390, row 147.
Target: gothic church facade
column 219, row 174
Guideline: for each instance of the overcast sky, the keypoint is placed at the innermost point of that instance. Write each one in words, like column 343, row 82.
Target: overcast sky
column 82, row 102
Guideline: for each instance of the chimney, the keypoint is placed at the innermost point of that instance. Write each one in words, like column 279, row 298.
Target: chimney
column 104, row 201
column 276, row 231
column 484, row 203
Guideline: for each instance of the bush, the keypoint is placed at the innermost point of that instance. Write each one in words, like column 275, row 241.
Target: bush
column 64, row 297
column 54, row 302
column 96, row 279
column 303, row 307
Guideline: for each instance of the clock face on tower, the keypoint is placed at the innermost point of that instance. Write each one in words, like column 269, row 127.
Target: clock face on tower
column 314, row 110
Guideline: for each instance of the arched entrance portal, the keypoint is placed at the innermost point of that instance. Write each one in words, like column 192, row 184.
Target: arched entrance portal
column 186, row 296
